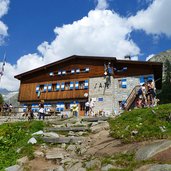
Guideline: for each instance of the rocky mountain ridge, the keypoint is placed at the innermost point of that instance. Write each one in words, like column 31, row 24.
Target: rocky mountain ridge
column 162, row 57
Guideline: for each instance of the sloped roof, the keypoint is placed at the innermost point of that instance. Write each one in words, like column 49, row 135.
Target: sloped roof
column 156, row 65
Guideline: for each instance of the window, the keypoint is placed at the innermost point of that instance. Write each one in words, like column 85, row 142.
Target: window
column 67, row 86
column 49, row 87
column 37, row 88
column 53, row 87
column 81, row 85
column 72, row 71
column 51, row 74
column 145, row 79
column 63, row 72
column 82, row 106
column 57, row 86
column 43, row 88
column 67, row 105
column 122, row 83
column 77, row 71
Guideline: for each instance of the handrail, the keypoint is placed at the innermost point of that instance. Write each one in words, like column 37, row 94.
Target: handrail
column 132, row 95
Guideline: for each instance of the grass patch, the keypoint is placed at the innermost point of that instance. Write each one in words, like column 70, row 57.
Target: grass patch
column 13, row 138
column 149, row 123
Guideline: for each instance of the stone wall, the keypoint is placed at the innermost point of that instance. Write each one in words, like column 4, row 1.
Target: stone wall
column 102, row 96
column 108, row 99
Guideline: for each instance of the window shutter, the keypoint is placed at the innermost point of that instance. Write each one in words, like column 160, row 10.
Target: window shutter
column 57, row 86
column 142, row 80
column 87, row 69
column 59, row 73
column 62, row 106
column 45, row 88
column 86, row 84
column 77, row 71
column 124, row 84
column 37, row 88
column 71, row 85
column 150, row 77
column 51, row 74
column 58, row 106
column 76, row 85
column 63, row 72
column 63, row 86
column 49, row 87
column 72, row 71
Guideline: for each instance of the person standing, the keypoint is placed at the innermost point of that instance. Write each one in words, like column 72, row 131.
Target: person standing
column 91, row 106
column 87, row 108
column 41, row 111
column 75, row 109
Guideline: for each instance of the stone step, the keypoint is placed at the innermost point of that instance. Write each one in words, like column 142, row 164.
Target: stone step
column 61, row 140
column 68, row 129
column 95, row 119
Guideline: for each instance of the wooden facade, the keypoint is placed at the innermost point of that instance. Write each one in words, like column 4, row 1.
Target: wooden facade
column 49, row 75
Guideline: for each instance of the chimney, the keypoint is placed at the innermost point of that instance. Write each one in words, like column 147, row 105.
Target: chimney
column 127, row 57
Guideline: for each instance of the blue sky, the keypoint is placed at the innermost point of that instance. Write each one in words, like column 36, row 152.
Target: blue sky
column 36, row 32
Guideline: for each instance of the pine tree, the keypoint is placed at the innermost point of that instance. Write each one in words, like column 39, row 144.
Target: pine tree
column 1, row 99
column 165, row 95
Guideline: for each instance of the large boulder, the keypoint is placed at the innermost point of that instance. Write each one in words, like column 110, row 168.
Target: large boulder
column 150, row 150
column 155, row 167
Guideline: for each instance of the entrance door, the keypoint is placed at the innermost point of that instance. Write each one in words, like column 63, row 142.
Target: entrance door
column 81, row 108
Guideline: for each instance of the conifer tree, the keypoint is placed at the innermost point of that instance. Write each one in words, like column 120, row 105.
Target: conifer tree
column 165, row 95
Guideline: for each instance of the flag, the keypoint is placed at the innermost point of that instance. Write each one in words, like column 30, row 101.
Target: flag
column 3, row 66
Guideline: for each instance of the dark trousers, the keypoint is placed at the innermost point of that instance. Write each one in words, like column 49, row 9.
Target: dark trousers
column 41, row 115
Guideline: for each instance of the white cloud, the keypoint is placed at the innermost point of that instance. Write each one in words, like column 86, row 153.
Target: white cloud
column 25, row 63
column 101, row 33
column 155, row 19
column 102, row 4
column 4, row 5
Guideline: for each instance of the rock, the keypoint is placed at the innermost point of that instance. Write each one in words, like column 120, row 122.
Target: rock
column 155, row 167
column 162, row 128
column 93, row 163
column 22, row 161
column 55, row 153
column 150, row 150
column 100, row 127
column 80, row 133
column 107, row 167
column 38, row 133
column 82, row 169
column 82, row 151
column 71, row 133
column 60, row 168
column 32, row 141
column 75, row 167
column 71, row 148
column 38, row 154
column 63, row 145
column 134, row 132
column 18, row 150
column 63, row 139
column 14, row 168
column 51, row 134
column 51, row 156
column 66, row 160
